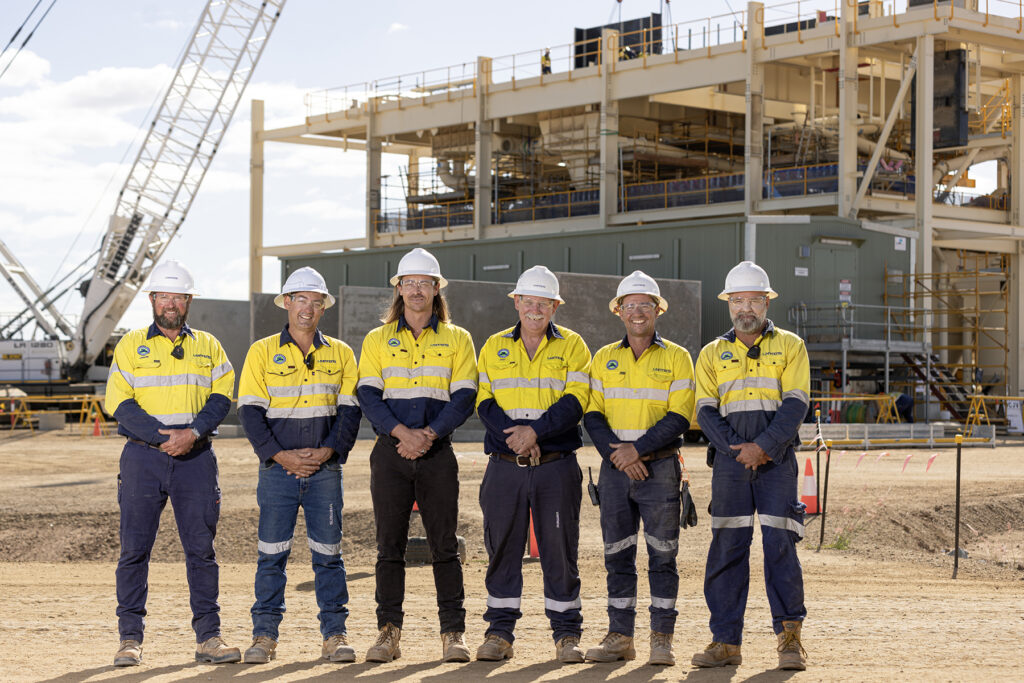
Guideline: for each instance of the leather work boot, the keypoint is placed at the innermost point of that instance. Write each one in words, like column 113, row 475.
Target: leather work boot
column 614, row 647
column 386, row 648
column 661, row 649
column 453, row 647
column 792, row 654
column 567, row 650
column 215, row 651
column 717, row 654
column 337, row 649
column 494, row 649
column 129, row 653
column 262, row 650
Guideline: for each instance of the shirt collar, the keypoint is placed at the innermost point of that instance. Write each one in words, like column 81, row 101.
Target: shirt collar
column 154, row 331
column 552, row 332
column 656, row 340
column 769, row 328
column 318, row 338
column 432, row 324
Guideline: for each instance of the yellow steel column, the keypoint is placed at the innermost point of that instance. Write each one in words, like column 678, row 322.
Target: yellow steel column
column 373, row 153
column 849, row 94
column 608, row 130
column 753, row 134
column 482, row 186
column 923, row 160
column 256, row 200
column 1015, row 340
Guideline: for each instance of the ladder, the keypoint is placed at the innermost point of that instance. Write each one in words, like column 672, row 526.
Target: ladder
column 952, row 395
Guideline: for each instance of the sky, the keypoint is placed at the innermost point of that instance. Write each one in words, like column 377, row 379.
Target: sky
column 74, row 103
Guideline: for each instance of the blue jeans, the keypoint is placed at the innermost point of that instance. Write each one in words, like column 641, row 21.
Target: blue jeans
column 624, row 503
column 279, row 496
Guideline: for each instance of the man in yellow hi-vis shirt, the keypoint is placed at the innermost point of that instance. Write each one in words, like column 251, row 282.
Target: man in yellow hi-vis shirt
column 753, row 389
column 296, row 401
column 641, row 401
column 533, row 389
column 417, row 382
column 169, row 387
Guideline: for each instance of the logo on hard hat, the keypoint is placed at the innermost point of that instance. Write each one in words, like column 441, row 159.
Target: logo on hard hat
column 726, row 355
column 394, row 342
column 612, row 364
column 503, row 353
column 279, row 358
column 143, row 350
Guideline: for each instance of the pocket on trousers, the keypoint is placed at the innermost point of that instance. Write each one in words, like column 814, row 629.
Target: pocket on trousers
column 119, row 488
column 213, row 510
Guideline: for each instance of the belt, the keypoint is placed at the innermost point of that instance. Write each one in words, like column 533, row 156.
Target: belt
column 200, row 443
column 659, row 454
column 527, row 461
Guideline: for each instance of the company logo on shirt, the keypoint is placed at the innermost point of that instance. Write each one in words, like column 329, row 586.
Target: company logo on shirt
column 394, row 342
column 503, row 353
column 143, row 350
column 726, row 355
column 612, row 364
column 771, row 353
column 279, row 358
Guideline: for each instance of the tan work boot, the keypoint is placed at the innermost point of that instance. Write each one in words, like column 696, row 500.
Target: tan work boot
column 661, row 649
column 215, row 651
column 262, row 650
column 129, row 653
column 494, row 649
column 337, row 649
column 386, row 648
column 792, row 654
column 567, row 650
column 453, row 647
column 717, row 654
column 614, row 647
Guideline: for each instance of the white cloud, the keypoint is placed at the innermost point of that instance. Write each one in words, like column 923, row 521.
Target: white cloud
column 167, row 24
column 27, row 69
column 397, row 28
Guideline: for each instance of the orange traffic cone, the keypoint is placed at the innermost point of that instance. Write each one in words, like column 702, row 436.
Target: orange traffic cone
column 96, row 431
column 534, row 548
column 415, row 506
column 809, row 496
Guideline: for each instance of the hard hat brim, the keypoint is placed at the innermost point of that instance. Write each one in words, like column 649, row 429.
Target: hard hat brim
column 191, row 291
column 770, row 293
column 662, row 302
column 329, row 299
column 441, row 282
column 516, row 292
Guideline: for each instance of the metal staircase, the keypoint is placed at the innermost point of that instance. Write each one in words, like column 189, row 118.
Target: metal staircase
column 952, row 395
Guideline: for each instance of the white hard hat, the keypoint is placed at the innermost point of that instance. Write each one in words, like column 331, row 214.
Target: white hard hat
column 638, row 282
column 537, row 281
column 747, row 276
column 172, row 277
column 305, row 280
column 419, row 262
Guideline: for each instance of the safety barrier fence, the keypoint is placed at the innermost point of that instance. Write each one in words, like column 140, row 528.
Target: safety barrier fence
column 86, row 409
column 909, row 435
column 839, row 407
column 978, row 413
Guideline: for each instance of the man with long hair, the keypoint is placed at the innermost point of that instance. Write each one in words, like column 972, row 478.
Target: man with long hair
column 417, row 384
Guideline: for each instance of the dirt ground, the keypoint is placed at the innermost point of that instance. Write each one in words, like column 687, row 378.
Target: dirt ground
column 881, row 602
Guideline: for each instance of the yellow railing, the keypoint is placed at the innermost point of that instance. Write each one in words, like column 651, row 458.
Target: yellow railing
column 978, row 413
column 885, row 404
column 454, row 215
column 25, row 410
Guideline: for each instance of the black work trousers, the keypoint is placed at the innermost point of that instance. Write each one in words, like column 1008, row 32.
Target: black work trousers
column 432, row 481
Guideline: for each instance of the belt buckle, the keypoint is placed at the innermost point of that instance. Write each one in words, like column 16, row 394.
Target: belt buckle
column 531, row 461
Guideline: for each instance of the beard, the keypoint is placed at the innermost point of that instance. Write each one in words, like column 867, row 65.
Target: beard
column 171, row 318
column 749, row 323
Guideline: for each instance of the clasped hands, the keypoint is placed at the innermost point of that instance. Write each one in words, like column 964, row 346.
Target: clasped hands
column 750, row 455
column 303, row 462
column 413, row 443
column 522, row 440
column 179, row 441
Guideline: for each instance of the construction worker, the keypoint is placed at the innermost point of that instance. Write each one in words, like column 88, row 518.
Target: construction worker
column 641, row 401
column 297, row 404
column 417, row 382
column 169, row 387
column 533, row 388
column 545, row 62
column 753, row 386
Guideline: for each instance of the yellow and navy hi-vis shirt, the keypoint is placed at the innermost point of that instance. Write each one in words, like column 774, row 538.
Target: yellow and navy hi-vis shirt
column 148, row 389
column 287, row 400
column 762, row 400
column 425, row 382
column 547, row 392
column 647, row 401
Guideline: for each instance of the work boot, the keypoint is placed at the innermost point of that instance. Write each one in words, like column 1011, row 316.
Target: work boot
column 567, row 650
column 337, row 649
column 453, row 647
column 661, row 649
column 386, row 648
column 494, row 649
column 792, row 654
column 614, row 647
column 215, row 651
column 129, row 653
column 717, row 654
column 262, row 650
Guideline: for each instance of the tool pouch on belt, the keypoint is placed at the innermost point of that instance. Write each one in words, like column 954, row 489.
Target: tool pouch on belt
column 711, row 455
column 687, row 510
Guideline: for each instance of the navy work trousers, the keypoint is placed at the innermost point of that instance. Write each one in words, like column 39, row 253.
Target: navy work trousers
column 149, row 477
column 552, row 492
column 432, row 481
column 279, row 496
column 624, row 502
column 735, row 496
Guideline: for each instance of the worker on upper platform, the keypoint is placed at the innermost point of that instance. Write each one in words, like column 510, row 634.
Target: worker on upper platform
column 753, row 387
